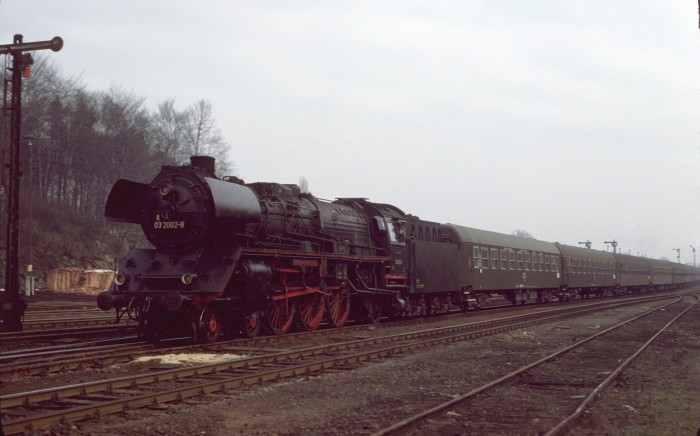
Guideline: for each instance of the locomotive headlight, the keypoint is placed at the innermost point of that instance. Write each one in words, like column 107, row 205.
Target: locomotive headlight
column 187, row 279
column 119, row 279
column 164, row 189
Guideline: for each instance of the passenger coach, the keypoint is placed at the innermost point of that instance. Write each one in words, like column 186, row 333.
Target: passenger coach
column 520, row 269
column 586, row 272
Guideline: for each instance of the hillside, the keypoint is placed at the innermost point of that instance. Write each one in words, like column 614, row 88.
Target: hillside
column 61, row 238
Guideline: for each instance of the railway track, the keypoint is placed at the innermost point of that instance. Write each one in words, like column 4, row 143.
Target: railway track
column 65, row 332
column 520, row 402
column 59, row 358
column 29, row 411
column 78, row 319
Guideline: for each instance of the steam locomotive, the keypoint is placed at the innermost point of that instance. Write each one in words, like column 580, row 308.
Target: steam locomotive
column 228, row 257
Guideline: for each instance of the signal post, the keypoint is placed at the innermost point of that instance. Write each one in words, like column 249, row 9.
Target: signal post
column 12, row 306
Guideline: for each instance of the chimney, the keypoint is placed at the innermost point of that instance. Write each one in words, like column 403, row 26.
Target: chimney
column 205, row 163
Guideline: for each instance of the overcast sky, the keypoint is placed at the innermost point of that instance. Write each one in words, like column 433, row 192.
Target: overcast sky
column 573, row 120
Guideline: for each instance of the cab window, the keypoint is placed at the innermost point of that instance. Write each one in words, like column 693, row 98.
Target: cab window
column 397, row 231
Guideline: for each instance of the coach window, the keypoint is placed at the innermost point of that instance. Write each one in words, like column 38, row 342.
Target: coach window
column 511, row 259
column 520, row 260
column 504, row 261
column 567, row 265
column 494, row 258
column 555, row 264
column 528, row 257
column 546, row 262
column 477, row 260
column 485, row 257
column 540, row 262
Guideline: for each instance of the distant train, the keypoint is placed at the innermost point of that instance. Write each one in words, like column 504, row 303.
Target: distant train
column 229, row 257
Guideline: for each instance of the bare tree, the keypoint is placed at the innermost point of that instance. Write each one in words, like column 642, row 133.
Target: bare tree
column 122, row 127
column 167, row 134
column 522, row 233
column 201, row 137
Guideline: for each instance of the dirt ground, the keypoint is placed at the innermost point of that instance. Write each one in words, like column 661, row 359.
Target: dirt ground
column 660, row 394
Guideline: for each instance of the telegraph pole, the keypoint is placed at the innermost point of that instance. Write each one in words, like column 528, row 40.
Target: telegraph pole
column 12, row 307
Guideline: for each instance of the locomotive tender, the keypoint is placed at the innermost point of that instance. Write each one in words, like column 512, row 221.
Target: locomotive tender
column 229, row 257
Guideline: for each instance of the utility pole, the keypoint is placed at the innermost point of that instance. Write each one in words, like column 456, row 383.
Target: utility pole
column 693, row 248
column 586, row 243
column 12, row 307
column 613, row 243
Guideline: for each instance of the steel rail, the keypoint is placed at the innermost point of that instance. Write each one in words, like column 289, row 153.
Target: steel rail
column 605, row 383
column 103, row 392
column 54, row 314
column 67, row 321
column 53, row 360
column 64, row 332
column 404, row 425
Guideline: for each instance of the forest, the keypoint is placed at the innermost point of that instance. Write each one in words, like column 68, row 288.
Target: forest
column 75, row 144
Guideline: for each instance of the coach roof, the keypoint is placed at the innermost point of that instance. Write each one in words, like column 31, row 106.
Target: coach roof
column 485, row 237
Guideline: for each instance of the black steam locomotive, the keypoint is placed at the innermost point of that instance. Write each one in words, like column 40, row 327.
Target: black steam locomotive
column 229, row 257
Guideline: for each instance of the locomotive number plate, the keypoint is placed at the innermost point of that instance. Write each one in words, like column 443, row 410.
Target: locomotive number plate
column 169, row 225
